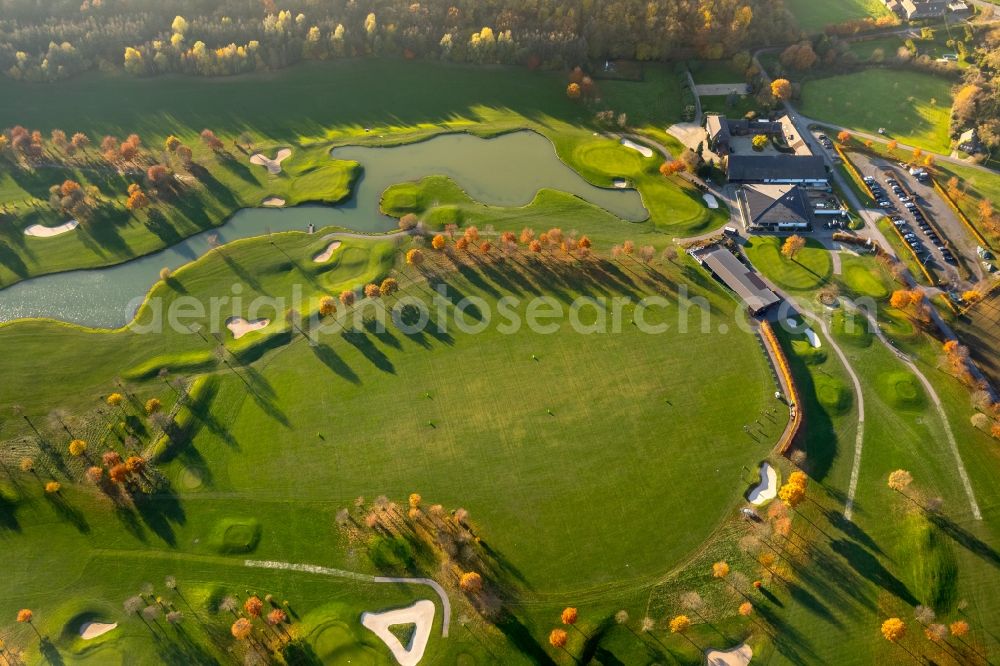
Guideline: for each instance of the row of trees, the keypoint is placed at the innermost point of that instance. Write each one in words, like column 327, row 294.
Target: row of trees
column 233, row 37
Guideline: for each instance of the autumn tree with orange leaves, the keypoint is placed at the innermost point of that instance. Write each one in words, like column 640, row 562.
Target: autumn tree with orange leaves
column 253, row 606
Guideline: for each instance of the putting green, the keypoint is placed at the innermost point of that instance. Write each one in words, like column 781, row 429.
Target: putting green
column 851, row 329
column 833, row 395
column 861, row 279
column 611, row 158
column 809, row 354
column 236, row 535
column 902, row 390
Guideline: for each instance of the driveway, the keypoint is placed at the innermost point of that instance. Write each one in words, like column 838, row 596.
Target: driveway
column 715, row 89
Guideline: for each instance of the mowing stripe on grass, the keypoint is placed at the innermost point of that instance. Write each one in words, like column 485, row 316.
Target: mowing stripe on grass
column 341, row 573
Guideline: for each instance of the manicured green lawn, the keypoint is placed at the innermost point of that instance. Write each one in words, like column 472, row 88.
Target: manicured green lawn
column 864, row 277
column 305, row 108
column 912, row 106
column 810, row 268
column 290, row 432
column 893, row 556
column 715, row 71
column 720, row 104
column 814, row 16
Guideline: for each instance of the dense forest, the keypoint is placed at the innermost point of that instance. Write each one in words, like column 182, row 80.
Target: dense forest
column 47, row 40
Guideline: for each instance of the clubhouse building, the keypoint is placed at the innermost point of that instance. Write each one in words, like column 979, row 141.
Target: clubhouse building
column 781, row 185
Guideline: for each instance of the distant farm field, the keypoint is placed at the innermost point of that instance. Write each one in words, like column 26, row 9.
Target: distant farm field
column 814, row 16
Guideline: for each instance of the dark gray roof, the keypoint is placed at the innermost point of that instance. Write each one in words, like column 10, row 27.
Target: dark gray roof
column 760, row 168
column 742, row 280
column 773, row 204
column 720, row 128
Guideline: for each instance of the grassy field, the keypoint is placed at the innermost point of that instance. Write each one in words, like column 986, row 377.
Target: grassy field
column 810, row 268
column 305, row 108
column 894, row 555
column 932, row 48
column 238, row 486
column 601, row 470
column 720, row 104
column 914, row 109
column 814, row 16
column 978, row 329
column 715, row 71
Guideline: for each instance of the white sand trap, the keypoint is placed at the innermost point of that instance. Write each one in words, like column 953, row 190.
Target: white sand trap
column 273, row 202
column 273, row 166
column 767, row 489
column 91, row 630
column 813, row 338
column 738, row 656
column 810, row 334
column 644, row 150
column 240, row 326
column 327, row 253
column 710, row 201
column 620, row 183
column 421, row 614
column 40, row 231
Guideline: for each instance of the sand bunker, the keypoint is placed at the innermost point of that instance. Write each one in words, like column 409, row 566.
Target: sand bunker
column 421, row 614
column 738, row 656
column 91, row 630
column 240, row 326
column 39, row 231
column 273, row 166
column 273, row 202
column 327, row 253
column 620, row 183
column 810, row 334
column 813, row 338
column 710, row 201
column 767, row 489
column 644, row 150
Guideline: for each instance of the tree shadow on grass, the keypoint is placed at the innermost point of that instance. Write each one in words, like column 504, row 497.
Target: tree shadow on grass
column 160, row 512
column 360, row 341
column 181, row 649
column 50, row 653
column 383, row 335
column 12, row 260
column 158, row 223
column 101, row 229
column 214, row 186
column 229, row 162
column 8, row 519
column 851, row 529
column 130, row 521
column 789, row 641
column 243, row 274
column 868, row 566
column 521, row 637
column 68, row 512
column 964, row 538
column 833, row 580
column 812, row 603
column 301, row 653
column 328, row 357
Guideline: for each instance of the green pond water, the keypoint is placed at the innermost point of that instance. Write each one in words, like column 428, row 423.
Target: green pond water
column 504, row 171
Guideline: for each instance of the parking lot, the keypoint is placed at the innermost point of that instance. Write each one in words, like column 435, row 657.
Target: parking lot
column 929, row 226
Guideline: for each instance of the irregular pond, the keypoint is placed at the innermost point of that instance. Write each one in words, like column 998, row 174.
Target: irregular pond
column 504, row 171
